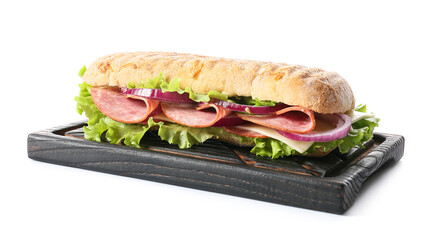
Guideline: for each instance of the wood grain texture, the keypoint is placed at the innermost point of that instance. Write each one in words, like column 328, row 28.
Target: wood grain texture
column 328, row 184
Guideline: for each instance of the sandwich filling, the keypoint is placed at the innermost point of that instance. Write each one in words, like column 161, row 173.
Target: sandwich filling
column 182, row 117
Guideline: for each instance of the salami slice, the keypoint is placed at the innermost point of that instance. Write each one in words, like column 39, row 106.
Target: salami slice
column 115, row 105
column 230, row 120
column 290, row 119
column 244, row 133
column 192, row 116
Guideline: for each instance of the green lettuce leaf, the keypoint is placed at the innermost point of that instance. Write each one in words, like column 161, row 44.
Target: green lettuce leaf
column 116, row 132
column 172, row 86
column 149, row 83
column 269, row 147
column 186, row 137
column 361, row 108
column 82, row 71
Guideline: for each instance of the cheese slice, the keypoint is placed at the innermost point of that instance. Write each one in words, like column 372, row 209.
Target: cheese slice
column 299, row 146
column 356, row 116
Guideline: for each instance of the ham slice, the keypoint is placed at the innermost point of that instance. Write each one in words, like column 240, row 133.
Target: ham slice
column 290, row 119
column 243, row 132
column 116, row 106
column 190, row 115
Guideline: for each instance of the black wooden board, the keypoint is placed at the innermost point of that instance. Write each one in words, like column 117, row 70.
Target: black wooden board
column 328, row 184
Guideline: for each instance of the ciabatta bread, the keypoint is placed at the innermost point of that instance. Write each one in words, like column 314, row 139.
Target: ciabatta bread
column 312, row 88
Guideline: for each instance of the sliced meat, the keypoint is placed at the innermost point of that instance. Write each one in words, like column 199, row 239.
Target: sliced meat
column 244, row 133
column 115, row 105
column 230, row 120
column 192, row 116
column 290, row 119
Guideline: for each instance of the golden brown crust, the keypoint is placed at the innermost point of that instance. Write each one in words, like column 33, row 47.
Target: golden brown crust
column 312, row 88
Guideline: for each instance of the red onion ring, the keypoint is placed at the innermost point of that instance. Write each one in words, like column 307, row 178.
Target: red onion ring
column 157, row 94
column 343, row 124
column 250, row 109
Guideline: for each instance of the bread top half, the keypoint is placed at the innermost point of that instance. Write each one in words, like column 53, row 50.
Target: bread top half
column 312, row 88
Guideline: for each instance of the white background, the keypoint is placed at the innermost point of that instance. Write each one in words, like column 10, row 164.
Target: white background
column 376, row 45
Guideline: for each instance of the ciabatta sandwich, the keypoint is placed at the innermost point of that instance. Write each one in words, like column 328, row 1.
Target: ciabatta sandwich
column 274, row 108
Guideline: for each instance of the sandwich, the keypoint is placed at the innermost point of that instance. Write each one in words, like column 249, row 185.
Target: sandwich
column 275, row 109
